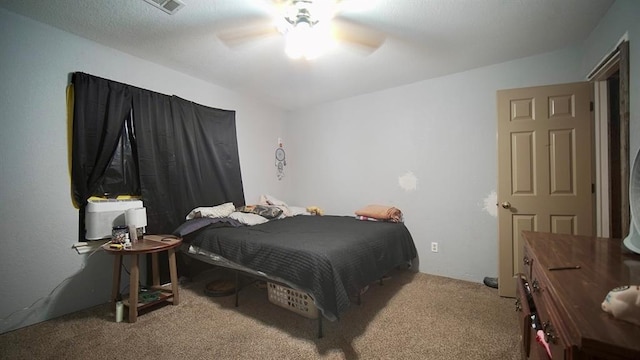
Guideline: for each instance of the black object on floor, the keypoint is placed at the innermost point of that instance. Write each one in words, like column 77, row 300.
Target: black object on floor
column 491, row 282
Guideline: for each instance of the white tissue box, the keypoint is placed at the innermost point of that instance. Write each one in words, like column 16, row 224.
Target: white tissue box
column 102, row 215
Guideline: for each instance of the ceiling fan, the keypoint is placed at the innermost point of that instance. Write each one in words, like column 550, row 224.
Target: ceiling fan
column 310, row 27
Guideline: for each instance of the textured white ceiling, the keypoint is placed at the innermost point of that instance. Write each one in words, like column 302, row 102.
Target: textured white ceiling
column 424, row 39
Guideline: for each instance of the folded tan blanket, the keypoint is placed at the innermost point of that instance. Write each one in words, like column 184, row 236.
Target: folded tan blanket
column 381, row 212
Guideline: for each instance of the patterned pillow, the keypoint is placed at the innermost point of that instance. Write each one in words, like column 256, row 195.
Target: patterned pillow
column 269, row 212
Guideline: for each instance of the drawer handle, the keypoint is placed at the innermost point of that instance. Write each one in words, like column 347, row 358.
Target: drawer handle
column 535, row 285
column 518, row 305
column 526, row 260
column 549, row 333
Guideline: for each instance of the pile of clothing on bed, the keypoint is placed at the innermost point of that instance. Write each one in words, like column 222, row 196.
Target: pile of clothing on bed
column 267, row 208
column 270, row 208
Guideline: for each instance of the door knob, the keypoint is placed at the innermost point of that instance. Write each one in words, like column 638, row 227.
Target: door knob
column 505, row 204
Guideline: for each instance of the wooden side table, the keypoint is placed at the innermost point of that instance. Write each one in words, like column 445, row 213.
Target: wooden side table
column 149, row 244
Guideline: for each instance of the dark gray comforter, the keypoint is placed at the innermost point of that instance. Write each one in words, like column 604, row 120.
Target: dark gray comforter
column 329, row 257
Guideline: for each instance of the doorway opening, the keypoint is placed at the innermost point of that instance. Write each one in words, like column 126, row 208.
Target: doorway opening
column 613, row 85
column 611, row 137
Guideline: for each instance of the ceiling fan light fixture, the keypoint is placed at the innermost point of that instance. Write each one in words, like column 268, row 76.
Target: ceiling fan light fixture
column 308, row 41
column 299, row 42
column 306, row 35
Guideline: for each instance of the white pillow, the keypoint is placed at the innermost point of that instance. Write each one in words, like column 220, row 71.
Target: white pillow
column 218, row 211
column 248, row 218
column 273, row 201
column 298, row 210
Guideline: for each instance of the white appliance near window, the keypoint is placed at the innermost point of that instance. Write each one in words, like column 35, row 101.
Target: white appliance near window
column 102, row 215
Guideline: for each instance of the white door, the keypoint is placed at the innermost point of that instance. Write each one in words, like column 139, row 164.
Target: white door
column 544, row 168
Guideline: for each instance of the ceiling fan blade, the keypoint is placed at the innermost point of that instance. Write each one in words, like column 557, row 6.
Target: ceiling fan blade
column 239, row 35
column 356, row 34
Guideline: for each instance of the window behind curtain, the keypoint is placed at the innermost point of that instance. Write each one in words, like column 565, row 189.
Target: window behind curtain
column 122, row 175
column 176, row 154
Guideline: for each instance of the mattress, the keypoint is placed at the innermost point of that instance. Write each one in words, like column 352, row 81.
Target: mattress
column 329, row 257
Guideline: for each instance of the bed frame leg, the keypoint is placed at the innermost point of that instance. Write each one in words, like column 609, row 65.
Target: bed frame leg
column 237, row 286
column 319, row 326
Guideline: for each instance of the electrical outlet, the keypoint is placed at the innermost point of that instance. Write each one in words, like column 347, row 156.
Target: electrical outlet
column 434, row 247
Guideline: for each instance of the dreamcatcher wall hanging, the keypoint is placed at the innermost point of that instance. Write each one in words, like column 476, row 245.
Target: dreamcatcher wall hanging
column 281, row 160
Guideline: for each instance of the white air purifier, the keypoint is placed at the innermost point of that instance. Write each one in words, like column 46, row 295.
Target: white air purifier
column 102, row 215
column 632, row 241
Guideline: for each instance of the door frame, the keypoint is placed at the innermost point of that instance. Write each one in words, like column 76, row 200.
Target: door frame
column 616, row 61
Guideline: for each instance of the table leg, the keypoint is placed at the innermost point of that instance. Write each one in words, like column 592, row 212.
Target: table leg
column 154, row 269
column 115, row 284
column 134, row 278
column 173, row 271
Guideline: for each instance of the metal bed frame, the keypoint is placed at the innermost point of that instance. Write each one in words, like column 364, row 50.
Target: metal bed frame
column 239, row 269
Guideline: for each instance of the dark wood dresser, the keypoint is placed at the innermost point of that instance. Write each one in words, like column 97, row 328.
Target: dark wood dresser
column 566, row 303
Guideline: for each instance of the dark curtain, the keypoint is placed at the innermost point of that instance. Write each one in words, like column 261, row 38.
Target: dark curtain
column 187, row 154
column 99, row 110
column 208, row 165
column 156, row 159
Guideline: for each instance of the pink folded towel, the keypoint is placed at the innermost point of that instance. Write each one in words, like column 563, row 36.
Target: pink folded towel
column 381, row 212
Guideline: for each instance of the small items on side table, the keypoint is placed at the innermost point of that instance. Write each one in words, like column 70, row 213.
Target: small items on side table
column 148, row 244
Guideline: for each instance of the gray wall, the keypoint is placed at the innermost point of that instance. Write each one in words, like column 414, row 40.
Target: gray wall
column 353, row 152
column 341, row 155
column 350, row 153
column 42, row 276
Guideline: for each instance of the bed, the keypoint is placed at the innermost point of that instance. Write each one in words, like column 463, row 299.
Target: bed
column 331, row 258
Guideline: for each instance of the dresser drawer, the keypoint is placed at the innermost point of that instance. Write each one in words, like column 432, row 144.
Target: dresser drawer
column 567, row 303
column 547, row 319
column 523, row 308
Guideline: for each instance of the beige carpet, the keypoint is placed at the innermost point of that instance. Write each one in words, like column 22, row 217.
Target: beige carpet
column 411, row 316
